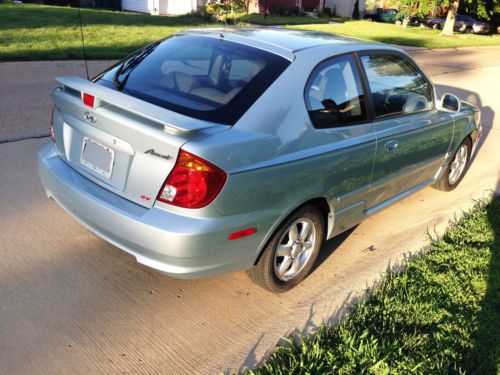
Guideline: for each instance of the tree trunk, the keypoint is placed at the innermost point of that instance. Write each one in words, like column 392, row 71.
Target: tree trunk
column 299, row 4
column 449, row 25
column 406, row 20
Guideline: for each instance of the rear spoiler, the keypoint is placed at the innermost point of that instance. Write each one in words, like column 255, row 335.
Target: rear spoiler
column 104, row 95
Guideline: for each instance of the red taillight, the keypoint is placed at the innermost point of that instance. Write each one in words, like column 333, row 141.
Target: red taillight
column 241, row 233
column 52, row 134
column 88, row 100
column 193, row 183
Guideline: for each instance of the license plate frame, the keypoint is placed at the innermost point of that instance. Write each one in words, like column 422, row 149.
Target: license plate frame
column 102, row 157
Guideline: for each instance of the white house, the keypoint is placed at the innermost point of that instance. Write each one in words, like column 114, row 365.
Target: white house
column 344, row 8
column 177, row 7
column 161, row 6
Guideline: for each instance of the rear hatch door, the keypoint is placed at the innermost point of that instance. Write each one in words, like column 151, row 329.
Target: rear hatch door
column 122, row 143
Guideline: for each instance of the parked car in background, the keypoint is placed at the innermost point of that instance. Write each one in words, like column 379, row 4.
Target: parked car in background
column 435, row 23
column 217, row 150
column 389, row 16
column 463, row 24
column 382, row 15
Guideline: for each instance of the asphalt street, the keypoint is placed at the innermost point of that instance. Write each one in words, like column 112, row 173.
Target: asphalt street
column 71, row 303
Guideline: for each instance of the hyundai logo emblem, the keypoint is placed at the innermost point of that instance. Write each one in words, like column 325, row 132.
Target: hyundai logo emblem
column 89, row 117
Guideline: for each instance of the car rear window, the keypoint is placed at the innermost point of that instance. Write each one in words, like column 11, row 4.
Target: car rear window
column 205, row 78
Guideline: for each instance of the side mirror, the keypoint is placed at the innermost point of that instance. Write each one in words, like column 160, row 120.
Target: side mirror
column 449, row 103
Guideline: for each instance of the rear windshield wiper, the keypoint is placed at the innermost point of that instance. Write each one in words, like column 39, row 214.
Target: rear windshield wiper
column 130, row 64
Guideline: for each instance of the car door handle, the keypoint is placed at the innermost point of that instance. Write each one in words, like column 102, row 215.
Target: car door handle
column 391, row 146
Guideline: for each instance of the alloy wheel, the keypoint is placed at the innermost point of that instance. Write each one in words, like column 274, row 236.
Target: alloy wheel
column 457, row 167
column 294, row 249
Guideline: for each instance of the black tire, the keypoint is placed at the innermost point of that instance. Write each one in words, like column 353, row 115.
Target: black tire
column 469, row 30
column 265, row 274
column 436, row 26
column 443, row 183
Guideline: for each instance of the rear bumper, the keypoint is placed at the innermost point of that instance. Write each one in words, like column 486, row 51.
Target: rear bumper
column 180, row 246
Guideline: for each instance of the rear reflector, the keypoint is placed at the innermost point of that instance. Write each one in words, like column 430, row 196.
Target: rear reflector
column 242, row 233
column 52, row 134
column 88, row 100
column 193, row 183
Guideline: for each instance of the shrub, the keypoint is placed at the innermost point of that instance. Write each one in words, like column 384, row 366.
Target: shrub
column 294, row 11
column 220, row 8
column 274, row 10
column 355, row 13
column 204, row 14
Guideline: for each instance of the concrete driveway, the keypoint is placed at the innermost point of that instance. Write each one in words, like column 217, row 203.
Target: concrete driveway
column 71, row 303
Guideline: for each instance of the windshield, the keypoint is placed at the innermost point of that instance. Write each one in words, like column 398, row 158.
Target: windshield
column 202, row 77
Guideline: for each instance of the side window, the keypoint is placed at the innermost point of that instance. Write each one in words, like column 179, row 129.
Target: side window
column 397, row 86
column 334, row 94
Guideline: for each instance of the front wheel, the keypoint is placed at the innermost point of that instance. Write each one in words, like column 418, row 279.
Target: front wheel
column 290, row 255
column 456, row 169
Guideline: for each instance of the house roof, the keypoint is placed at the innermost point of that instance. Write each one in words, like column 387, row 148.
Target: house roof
column 284, row 42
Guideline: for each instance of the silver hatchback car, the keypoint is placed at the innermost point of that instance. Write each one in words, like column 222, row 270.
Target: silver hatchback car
column 217, row 150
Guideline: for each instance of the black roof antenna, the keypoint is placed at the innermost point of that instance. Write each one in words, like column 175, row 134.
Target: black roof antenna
column 83, row 42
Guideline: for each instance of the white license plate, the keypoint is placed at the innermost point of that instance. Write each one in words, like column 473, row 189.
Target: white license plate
column 97, row 157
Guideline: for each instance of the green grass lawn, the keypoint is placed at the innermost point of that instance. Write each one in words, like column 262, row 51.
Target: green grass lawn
column 411, row 36
column 37, row 32
column 441, row 315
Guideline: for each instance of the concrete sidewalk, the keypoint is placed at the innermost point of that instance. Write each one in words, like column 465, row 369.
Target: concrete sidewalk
column 71, row 303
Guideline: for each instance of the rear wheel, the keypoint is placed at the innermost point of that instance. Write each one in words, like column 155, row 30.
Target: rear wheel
column 456, row 169
column 290, row 255
column 436, row 26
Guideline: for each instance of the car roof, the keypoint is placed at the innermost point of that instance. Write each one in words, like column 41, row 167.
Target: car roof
column 285, row 42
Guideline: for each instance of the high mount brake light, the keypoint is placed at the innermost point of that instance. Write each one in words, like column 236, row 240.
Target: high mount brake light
column 88, row 100
column 193, row 183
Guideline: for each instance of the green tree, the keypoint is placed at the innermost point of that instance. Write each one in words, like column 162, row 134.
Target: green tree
column 222, row 8
column 420, row 8
column 408, row 9
column 480, row 8
column 449, row 25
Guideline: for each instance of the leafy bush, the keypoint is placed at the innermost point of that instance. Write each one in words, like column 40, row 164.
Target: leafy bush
column 355, row 13
column 274, row 10
column 219, row 8
column 294, row 11
column 204, row 14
